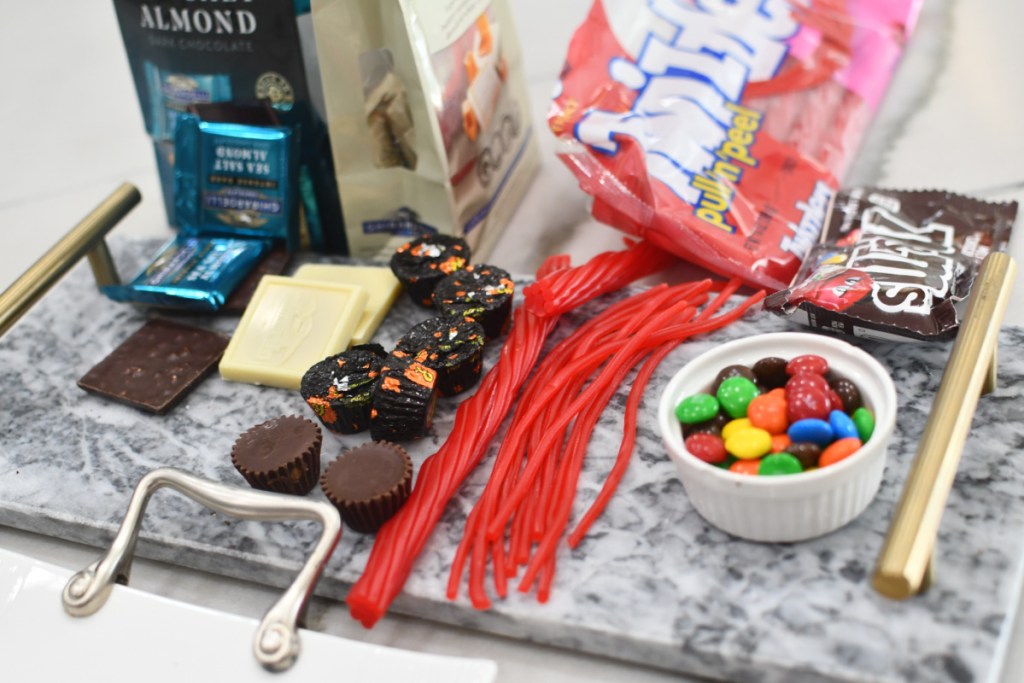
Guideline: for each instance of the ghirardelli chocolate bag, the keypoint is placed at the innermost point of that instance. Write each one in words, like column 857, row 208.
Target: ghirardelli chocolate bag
column 428, row 117
column 895, row 264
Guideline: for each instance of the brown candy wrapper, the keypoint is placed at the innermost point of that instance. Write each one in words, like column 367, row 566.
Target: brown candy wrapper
column 895, row 265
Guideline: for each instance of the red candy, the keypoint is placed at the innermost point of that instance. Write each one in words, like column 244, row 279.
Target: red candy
column 807, row 363
column 836, row 400
column 807, row 380
column 807, row 402
column 707, row 447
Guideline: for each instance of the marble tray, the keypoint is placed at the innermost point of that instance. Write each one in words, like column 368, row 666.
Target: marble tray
column 653, row 584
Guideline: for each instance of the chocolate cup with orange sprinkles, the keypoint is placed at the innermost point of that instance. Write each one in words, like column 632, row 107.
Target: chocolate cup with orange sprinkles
column 422, row 263
column 453, row 346
column 403, row 399
column 281, row 455
column 339, row 389
column 480, row 292
column 368, row 484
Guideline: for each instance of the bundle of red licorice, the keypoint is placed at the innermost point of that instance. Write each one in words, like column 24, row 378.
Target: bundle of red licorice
column 528, row 499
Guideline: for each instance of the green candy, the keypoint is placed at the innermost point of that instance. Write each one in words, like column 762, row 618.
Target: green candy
column 779, row 463
column 735, row 394
column 865, row 423
column 697, row 408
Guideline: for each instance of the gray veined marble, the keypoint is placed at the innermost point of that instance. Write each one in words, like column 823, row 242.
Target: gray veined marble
column 652, row 584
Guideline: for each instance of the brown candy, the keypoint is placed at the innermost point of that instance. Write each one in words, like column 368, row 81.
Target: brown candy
column 731, row 371
column 806, row 452
column 712, row 426
column 771, row 372
column 848, row 393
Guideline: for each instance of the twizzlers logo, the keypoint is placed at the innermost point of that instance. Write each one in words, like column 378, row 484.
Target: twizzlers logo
column 689, row 75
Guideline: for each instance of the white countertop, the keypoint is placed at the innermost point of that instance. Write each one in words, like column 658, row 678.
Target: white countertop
column 74, row 131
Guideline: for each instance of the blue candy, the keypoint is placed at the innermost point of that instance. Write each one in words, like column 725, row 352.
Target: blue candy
column 812, row 430
column 842, row 425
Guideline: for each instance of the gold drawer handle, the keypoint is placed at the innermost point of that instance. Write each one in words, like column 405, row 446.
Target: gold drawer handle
column 86, row 238
column 905, row 564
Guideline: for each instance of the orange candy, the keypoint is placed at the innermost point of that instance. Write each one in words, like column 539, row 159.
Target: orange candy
column 780, row 442
column 837, row 450
column 768, row 412
column 746, row 466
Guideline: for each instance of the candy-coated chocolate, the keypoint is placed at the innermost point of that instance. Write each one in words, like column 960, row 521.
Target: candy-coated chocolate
column 835, row 400
column 849, row 393
column 811, row 429
column 727, row 463
column 779, row 463
column 807, row 402
column 735, row 394
column 807, row 379
column 807, row 363
column 781, row 442
column 697, row 408
column 806, row 452
column 771, row 372
column 842, row 425
column 838, row 450
column 707, row 447
column 748, row 444
column 712, row 426
column 733, row 426
column 732, row 371
column 768, row 412
column 748, row 467
column 865, row 421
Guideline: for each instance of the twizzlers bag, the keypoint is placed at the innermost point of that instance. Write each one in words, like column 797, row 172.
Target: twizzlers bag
column 719, row 129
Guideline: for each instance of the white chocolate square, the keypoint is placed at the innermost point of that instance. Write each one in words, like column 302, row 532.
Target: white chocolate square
column 288, row 326
column 381, row 285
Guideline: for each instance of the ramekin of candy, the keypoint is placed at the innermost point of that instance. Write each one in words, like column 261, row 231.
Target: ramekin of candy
column 780, row 437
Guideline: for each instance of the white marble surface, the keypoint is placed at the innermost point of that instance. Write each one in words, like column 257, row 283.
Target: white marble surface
column 75, row 132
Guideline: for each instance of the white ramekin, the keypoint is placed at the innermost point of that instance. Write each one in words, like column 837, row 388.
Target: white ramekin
column 790, row 507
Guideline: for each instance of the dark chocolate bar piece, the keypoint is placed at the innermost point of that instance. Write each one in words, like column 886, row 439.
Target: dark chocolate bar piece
column 156, row 366
column 273, row 263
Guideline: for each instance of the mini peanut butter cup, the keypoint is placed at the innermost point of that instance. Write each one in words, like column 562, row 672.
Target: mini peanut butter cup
column 368, row 484
column 281, row 455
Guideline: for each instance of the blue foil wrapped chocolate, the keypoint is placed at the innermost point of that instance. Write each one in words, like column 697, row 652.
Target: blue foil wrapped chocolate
column 237, row 179
column 191, row 272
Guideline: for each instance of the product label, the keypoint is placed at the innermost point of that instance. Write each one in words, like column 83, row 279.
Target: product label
column 688, row 79
column 909, row 266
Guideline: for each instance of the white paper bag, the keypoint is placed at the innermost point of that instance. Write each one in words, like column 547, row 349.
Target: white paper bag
column 428, row 116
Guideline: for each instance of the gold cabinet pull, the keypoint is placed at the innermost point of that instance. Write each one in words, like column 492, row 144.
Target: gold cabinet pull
column 85, row 238
column 905, row 563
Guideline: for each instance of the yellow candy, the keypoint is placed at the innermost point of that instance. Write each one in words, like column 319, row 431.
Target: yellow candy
column 733, row 426
column 749, row 443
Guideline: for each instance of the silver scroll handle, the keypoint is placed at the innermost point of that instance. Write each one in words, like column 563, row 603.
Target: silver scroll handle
column 276, row 644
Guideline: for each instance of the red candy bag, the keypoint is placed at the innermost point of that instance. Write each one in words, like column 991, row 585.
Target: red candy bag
column 717, row 129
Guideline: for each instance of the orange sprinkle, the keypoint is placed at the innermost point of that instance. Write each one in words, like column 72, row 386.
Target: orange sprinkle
column 421, row 374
